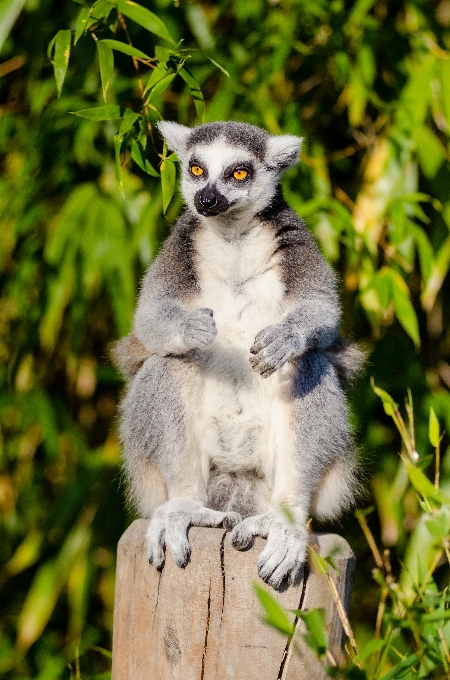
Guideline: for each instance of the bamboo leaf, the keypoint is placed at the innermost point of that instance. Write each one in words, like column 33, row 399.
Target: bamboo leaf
column 117, row 149
column 128, row 120
column 388, row 403
column 404, row 309
column 275, row 614
column 81, row 24
column 397, row 671
column 433, row 429
column 318, row 562
column 370, row 648
column 137, row 154
column 423, row 486
column 161, row 85
column 106, row 59
column 156, row 75
column 46, row 587
column 61, row 59
column 196, row 92
column 110, row 112
column 316, row 637
column 126, row 49
column 9, row 11
column 145, row 18
column 430, row 151
column 168, row 178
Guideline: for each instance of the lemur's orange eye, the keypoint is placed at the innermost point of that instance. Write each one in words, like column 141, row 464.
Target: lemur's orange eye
column 240, row 174
column 197, row 170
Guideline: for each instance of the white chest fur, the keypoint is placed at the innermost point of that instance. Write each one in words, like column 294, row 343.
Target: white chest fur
column 240, row 280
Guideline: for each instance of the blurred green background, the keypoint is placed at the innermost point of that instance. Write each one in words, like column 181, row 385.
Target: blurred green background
column 83, row 212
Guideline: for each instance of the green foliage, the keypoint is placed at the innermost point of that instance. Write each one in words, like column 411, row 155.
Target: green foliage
column 87, row 195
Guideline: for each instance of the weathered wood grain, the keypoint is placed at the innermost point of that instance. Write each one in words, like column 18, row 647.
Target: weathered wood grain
column 204, row 622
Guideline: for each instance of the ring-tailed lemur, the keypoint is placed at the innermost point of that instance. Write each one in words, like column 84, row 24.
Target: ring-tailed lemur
column 235, row 405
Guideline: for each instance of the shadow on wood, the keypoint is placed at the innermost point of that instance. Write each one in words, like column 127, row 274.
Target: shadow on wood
column 204, row 622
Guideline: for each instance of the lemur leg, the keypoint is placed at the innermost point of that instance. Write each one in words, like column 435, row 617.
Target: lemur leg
column 158, row 434
column 317, row 419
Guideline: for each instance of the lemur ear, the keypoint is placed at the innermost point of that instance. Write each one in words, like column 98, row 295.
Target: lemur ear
column 283, row 151
column 175, row 135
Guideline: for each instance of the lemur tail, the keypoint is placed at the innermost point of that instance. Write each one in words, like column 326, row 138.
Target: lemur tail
column 129, row 354
column 346, row 357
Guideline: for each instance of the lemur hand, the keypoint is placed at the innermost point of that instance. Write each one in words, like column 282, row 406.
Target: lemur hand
column 199, row 328
column 274, row 346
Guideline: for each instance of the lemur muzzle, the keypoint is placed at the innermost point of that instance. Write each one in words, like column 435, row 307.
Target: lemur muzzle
column 209, row 201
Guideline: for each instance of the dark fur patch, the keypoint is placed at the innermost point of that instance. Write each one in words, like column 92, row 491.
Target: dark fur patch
column 238, row 134
column 174, row 270
column 304, row 269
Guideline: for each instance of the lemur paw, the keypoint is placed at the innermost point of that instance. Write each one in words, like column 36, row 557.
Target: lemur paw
column 169, row 527
column 284, row 554
column 199, row 328
column 273, row 347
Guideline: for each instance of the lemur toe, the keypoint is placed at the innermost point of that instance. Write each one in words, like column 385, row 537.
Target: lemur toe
column 241, row 537
column 231, row 520
column 156, row 555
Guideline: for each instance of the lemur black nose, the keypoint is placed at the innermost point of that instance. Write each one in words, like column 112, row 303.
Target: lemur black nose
column 208, row 199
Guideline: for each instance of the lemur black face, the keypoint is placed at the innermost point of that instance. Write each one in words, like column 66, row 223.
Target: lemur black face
column 219, row 193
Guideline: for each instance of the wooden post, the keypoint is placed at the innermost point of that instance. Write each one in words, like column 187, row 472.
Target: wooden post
column 204, row 622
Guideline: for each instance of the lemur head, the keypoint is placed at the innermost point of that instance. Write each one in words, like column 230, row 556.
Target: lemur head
column 229, row 168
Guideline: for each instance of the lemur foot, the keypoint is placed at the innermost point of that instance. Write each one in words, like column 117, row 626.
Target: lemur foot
column 169, row 526
column 285, row 551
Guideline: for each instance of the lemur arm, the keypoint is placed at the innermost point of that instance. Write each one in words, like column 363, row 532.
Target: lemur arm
column 313, row 316
column 165, row 326
column 162, row 322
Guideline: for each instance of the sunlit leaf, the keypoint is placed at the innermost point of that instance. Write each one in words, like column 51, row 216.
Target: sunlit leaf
column 145, row 18
column 156, row 75
column 398, row 670
column 46, row 587
column 118, row 165
column 438, row 273
column 316, row 637
column 425, row 252
column 318, row 562
column 81, row 24
column 128, row 120
column 9, row 11
column 61, row 57
column 431, row 152
column 275, row 614
column 370, row 648
column 106, row 59
column 433, row 428
column 388, row 403
column 161, row 86
column 168, row 178
column 404, row 309
column 109, row 112
column 123, row 47
column 423, row 486
column 359, row 11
